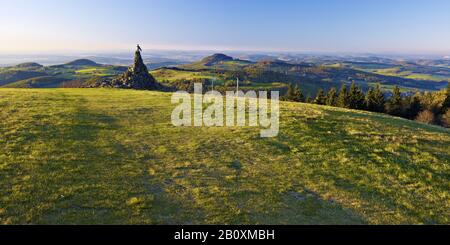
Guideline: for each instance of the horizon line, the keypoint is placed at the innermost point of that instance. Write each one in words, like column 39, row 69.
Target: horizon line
column 223, row 50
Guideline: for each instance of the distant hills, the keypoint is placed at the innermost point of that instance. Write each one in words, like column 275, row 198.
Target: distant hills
column 34, row 75
column 11, row 76
column 29, row 65
column 275, row 74
column 267, row 72
column 82, row 62
column 38, row 82
column 215, row 59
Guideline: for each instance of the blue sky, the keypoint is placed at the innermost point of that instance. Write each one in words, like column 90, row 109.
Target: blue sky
column 358, row 26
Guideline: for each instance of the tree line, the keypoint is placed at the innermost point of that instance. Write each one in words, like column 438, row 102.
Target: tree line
column 427, row 107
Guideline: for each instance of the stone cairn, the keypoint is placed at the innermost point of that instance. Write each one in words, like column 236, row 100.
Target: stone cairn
column 136, row 77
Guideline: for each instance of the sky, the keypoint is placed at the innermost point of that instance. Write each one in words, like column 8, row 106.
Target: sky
column 352, row 26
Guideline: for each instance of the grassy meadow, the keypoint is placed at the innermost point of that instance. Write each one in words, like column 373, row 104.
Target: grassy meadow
column 107, row 156
column 397, row 71
column 173, row 75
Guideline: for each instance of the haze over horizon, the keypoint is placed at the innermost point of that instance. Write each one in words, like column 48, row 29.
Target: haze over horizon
column 328, row 26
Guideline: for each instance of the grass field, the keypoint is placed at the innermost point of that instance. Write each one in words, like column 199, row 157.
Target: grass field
column 409, row 74
column 105, row 156
column 173, row 75
column 102, row 71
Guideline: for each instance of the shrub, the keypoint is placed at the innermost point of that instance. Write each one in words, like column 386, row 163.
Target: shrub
column 425, row 116
column 446, row 119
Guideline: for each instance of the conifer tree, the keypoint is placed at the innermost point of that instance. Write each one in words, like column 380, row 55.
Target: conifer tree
column 413, row 107
column 331, row 97
column 378, row 98
column 299, row 97
column 320, row 97
column 294, row 94
column 370, row 101
column 375, row 100
column 342, row 100
column 446, row 104
column 395, row 103
column 355, row 97
column 289, row 96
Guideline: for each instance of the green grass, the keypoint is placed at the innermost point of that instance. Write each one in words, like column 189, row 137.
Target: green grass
column 174, row 75
column 37, row 82
column 428, row 77
column 263, row 86
column 396, row 72
column 96, row 71
column 105, row 156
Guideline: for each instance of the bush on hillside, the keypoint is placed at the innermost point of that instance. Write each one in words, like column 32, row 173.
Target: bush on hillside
column 425, row 116
column 446, row 119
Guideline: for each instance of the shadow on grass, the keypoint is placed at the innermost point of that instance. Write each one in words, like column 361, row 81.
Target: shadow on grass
column 76, row 172
column 307, row 208
column 365, row 186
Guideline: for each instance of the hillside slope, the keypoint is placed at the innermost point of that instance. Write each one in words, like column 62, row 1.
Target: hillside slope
column 90, row 156
column 11, row 76
column 37, row 82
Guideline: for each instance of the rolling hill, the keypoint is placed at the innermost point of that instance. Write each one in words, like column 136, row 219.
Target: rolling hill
column 420, row 71
column 215, row 59
column 107, row 156
column 82, row 62
column 273, row 74
column 29, row 65
column 10, row 76
column 34, row 75
column 37, row 82
column 310, row 76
